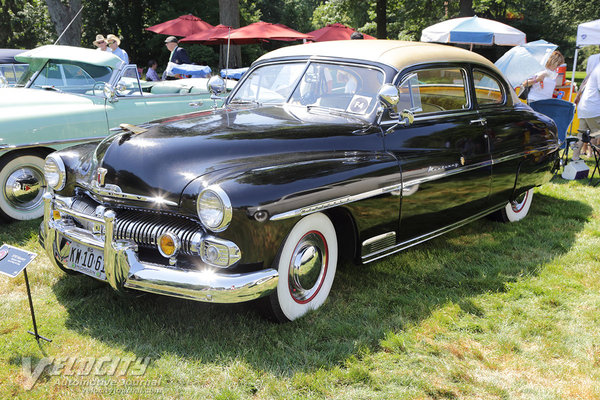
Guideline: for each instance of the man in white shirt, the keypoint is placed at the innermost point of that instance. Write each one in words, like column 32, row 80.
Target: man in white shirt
column 591, row 63
column 588, row 108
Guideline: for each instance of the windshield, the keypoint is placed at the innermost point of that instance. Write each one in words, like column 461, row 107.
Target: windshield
column 348, row 88
column 68, row 76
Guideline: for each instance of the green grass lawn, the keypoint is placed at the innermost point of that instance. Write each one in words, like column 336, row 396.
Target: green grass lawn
column 488, row 311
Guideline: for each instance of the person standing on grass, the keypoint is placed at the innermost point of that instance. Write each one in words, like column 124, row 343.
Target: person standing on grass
column 101, row 43
column 178, row 55
column 588, row 109
column 114, row 42
column 592, row 61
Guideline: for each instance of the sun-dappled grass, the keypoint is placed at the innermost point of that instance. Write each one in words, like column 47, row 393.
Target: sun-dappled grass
column 488, row 311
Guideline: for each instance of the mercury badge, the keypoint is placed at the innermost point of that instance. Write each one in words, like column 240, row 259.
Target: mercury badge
column 100, row 175
column 462, row 160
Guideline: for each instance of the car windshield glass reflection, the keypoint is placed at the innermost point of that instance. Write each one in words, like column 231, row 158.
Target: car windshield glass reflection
column 271, row 84
column 70, row 77
column 346, row 88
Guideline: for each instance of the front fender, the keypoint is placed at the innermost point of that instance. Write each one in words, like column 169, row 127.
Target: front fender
column 268, row 200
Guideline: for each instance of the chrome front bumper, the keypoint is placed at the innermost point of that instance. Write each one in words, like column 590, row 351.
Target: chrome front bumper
column 124, row 269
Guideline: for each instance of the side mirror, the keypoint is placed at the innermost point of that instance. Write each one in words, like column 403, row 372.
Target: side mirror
column 110, row 93
column 389, row 95
column 216, row 85
column 121, row 89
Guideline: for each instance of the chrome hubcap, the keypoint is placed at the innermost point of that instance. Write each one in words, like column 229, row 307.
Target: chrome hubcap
column 23, row 189
column 519, row 202
column 308, row 267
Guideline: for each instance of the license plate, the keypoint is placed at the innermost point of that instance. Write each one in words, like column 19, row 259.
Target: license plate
column 87, row 260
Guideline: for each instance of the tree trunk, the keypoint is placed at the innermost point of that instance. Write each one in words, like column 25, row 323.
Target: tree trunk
column 61, row 14
column 466, row 8
column 229, row 14
column 381, row 19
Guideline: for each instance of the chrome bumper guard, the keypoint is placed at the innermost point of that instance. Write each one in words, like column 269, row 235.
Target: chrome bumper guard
column 124, row 269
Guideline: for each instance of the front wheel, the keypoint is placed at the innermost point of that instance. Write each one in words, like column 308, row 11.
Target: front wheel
column 517, row 209
column 306, row 265
column 22, row 183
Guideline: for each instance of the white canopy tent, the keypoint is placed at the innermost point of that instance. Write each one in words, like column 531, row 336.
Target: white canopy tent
column 473, row 30
column 588, row 33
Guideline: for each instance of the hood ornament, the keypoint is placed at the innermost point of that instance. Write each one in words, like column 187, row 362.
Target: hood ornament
column 136, row 130
column 100, row 175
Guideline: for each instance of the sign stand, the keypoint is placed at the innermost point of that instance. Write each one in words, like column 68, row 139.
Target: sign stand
column 35, row 330
column 12, row 261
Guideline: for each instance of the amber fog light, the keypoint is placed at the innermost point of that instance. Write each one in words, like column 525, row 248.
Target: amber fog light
column 168, row 244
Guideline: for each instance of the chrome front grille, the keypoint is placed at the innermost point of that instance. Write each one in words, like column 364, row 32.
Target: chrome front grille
column 144, row 227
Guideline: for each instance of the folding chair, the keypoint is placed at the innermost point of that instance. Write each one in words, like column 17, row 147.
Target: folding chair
column 562, row 113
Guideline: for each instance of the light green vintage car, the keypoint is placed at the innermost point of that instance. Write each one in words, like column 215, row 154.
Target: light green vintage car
column 72, row 95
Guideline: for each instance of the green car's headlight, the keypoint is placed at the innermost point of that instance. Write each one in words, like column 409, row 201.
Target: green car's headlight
column 214, row 208
column 55, row 172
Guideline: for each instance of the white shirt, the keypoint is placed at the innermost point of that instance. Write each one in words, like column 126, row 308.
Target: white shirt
column 544, row 89
column 589, row 104
column 591, row 63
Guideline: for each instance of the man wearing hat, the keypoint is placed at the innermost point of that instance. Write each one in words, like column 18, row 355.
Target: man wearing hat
column 178, row 54
column 113, row 44
column 101, row 43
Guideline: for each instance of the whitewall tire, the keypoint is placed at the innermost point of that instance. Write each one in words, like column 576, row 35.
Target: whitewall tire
column 306, row 264
column 22, row 184
column 518, row 209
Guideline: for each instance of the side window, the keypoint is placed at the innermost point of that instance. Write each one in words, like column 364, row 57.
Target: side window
column 434, row 90
column 487, row 89
column 129, row 83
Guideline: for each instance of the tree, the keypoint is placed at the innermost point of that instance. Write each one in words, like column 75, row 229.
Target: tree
column 229, row 14
column 381, row 19
column 466, row 8
column 62, row 14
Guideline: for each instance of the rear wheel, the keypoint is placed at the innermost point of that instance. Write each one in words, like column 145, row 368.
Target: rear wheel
column 22, row 183
column 306, row 265
column 517, row 209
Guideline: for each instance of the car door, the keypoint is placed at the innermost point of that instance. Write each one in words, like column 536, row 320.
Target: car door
column 443, row 154
column 129, row 105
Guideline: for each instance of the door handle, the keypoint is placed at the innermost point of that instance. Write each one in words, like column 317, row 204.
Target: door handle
column 480, row 121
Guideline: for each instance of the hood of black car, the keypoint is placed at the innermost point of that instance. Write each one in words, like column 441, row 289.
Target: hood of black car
column 163, row 160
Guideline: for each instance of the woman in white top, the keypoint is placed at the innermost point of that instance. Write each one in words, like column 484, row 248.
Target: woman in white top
column 543, row 83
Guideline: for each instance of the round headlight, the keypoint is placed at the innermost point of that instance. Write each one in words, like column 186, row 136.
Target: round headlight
column 55, row 172
column 214, row 208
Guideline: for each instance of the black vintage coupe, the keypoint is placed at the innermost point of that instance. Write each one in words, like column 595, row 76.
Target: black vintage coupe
column 355, row 149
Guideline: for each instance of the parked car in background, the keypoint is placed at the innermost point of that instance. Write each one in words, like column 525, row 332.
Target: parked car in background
column 73, row 95
column 11, row 70
column 355, row 149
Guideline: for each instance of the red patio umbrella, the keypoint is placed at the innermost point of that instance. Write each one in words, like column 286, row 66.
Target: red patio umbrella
column 260, row 31
column 184, row 25
column 204, row 37
column 335, row 32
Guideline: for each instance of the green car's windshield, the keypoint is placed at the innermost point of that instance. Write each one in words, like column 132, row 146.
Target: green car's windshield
column 348, row 88
column 68, row 76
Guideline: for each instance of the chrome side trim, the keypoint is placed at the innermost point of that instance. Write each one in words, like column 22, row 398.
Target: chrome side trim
column 405, row 187
column 124, row 269
column 52, row 143
column 334, row 203
column 378, row 238
column 116, row 193
column 420, row 239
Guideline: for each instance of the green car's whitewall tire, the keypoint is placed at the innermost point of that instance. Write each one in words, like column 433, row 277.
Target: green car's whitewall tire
column 22, row 184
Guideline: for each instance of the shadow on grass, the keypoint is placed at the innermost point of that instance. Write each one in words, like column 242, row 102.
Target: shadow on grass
column 365, row 302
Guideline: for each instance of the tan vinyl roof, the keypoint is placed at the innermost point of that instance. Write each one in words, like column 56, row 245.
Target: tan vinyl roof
column 396, row 53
